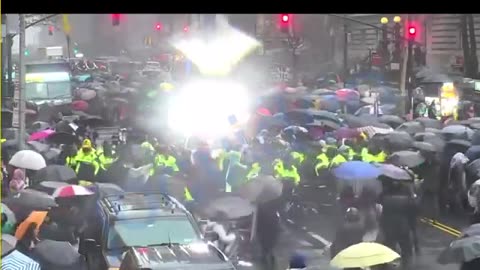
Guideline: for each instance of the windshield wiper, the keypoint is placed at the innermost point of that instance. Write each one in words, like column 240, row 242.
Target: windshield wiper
column 164, row 244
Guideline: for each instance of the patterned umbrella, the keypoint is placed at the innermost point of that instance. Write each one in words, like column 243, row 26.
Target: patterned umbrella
column 18, row 261
column 71, row 191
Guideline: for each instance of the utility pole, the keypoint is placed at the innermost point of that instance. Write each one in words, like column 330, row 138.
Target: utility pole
column 403, row 77
column 21, row 100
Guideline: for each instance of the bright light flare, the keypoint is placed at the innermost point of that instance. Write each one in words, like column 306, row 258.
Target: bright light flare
column 218, row 54
column 203, row 108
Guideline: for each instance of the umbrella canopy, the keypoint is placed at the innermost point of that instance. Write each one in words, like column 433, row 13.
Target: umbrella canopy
column 37, row 217
column 86, row 94
column 64, row 127
column 27, row 201
column 472, row 230
column 364, row 255
column 38, row 146
column 410, row 159
column 8, row 243
column 422, row 135
column 18, row 261
column 261, row 189
column 461, row 250
column 473, row 168
column 28, row 159
column 357, row 122
column 108, row 189
column 356, row 170
column 429, row 122
column 394, row 172
column 40, row 135
column 424, row 146
column 323, row 92
column 49, row 187
column 392, row 120
column 9, row 213
column 62, row 138
column 459, row 143
column 411, row 127
column 323, row 124
column 435, row 131
column 71, row 191
column 58, row 253
column 399, row 140
column 231, row 207
column 39, row 126
column 347, row 94
column 57, row 173
column 458, row 131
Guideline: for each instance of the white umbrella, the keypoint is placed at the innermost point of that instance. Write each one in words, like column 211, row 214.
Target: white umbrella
column 28, row 159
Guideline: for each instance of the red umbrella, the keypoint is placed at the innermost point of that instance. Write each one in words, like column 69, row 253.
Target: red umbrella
column 71, row 191
column 264, row 112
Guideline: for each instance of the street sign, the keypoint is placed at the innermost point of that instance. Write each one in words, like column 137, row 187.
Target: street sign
column 395, row 66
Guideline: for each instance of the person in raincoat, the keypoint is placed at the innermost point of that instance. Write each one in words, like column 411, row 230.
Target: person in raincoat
column 164, row 161
column 349, row 233
column 324, row 160
column 86, row 161
column 106, row 156
column 67, row 156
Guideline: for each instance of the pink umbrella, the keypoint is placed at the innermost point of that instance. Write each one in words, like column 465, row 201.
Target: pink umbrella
column 37, row 136
column 344, row 94
column 71, row 191
column 80, row 105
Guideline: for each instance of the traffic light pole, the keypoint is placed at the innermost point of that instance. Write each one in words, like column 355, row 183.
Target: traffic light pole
column 409, row 78
column 345, row 52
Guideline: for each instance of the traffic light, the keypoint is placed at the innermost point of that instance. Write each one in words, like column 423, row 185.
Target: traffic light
column 158, row 26
column 285, row 23
column 115, row 19
column 185, row 29
column 27, row 53
column 412, row 31
column 50, row 30
column 75, row 50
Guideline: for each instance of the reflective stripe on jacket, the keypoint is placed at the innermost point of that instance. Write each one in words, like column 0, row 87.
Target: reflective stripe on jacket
column 323, row 163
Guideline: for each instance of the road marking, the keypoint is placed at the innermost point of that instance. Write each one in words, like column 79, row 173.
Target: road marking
column 290, row 221
column 321, row 239
column 441, row 227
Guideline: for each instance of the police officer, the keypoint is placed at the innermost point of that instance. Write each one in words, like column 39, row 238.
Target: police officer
column 324, row 159
column 106, row 156
column 165, row 161
column 340, row 157
column 85, row 158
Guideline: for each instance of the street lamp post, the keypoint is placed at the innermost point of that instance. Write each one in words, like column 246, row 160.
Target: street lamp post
column 21, row 101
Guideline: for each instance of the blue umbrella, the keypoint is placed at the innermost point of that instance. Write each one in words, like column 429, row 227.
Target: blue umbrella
column 356, row 170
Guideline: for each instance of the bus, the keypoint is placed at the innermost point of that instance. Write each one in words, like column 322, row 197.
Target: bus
column 49, row 81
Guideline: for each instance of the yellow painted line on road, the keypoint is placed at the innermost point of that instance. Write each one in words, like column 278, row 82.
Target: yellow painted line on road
column 441, row 227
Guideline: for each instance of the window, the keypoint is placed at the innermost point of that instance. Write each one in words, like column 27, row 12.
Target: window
column 48, row 90
column 151, row 231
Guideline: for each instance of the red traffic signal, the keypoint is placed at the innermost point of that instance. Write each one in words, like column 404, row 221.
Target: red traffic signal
column 50, row 30
column 115, row 19
column 412, row 31
column 285, row 18
column 158, row 26
column 185, row 29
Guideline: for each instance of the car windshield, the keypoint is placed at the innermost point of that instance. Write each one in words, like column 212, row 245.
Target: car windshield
column 151, row 231
column 48, row 90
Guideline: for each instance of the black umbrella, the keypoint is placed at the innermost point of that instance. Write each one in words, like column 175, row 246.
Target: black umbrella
column 51, row 154
column 52, row 253
column 410, row 159
column 436, row 131
column 108, row 189
column 49, row 187
column 461, row 250
column 39, row 126
column 357, row 121
column 92, row 120
column 430, row 123
column 424, row 146
column 38, row 146
column 398, row 140
column 395, row 173
column 411, row 127
column 392, row 120
column 57, row 173
column 27, row 201
column 459, row 143
column 323, row 123
column 64, row 127
column 62, row 138
column 473, row 168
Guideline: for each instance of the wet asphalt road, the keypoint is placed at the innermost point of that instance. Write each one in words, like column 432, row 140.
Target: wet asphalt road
column 312, row 233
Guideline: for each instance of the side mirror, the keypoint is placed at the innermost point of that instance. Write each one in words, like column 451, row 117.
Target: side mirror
column 86, row 245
